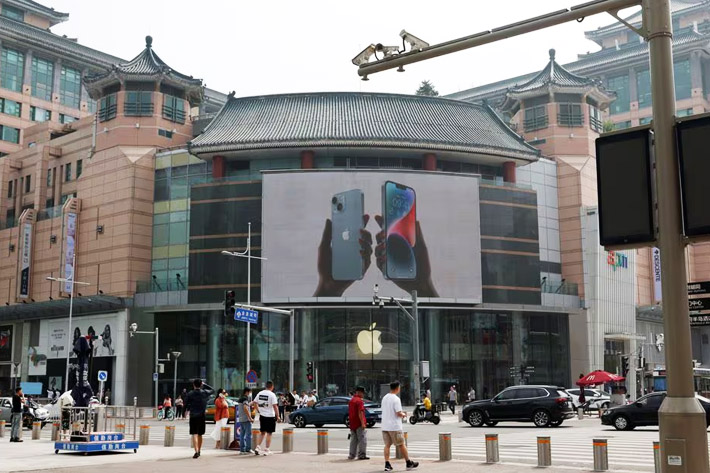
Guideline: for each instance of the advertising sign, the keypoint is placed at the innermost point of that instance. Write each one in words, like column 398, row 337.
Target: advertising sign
column 5, row 342
column 699, row 304
column 656, row 263
column 69, row 247
column 37, row 363
column 699, row 287
column 335, row 234
column 53, row 339
column 25, row 258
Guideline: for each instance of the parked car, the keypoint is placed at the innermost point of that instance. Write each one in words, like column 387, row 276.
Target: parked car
column 644, row 412
column 231, row 402
column 333, row 410
column 596, row 398
column 6, row 410
column 542, row 405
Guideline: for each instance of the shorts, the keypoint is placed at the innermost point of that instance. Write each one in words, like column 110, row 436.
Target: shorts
column 267, row 425
column 393, row 438
column 197, row 425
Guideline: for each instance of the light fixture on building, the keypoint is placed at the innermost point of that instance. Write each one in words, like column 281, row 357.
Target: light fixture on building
column 52, row 238
column 99, row 228
column 12, row 247
column 101, row 292
column 138, row 125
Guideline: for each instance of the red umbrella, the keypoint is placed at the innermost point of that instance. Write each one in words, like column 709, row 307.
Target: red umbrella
column 599, row 377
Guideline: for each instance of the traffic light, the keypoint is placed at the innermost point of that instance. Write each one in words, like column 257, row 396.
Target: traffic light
column 309, row 371
column 624, row 365
column 230, row 298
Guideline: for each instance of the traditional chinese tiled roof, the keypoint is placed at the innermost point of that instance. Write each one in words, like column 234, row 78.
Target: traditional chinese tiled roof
column 146, row 66
column 350, row 119
column 39, row 9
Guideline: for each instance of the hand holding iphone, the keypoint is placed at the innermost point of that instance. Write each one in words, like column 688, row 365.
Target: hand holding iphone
column 347, row 209
column 400, row 217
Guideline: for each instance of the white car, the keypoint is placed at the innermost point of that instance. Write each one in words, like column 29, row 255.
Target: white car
column 597, row 398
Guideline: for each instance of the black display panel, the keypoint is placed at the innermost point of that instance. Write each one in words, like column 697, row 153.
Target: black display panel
column 625, row 188
column 693, row 139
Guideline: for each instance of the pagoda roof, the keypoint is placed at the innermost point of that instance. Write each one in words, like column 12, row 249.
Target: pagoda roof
column 146, row 66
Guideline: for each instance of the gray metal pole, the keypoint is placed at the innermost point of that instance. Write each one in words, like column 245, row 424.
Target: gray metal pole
column 157, row 370
column 248, row 325
column 175, row 379
column 682, row 420
column 292, row 350
column 417, row 363
column 71, row 310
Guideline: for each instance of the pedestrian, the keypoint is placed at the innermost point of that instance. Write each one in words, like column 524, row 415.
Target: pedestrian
column 304, row 400
column 65, row 403
column 107, row 396
column 179, row 407
column 452, row 399
column 471, row 395
column 268, row 416
column 282, row 406
column 196, row 405
column 392, row 415
column 221, row 416
column 16, row 415
column 296, row 402
column 357, row 424
column 311, row 399
column 245, row 422
column 167, row 406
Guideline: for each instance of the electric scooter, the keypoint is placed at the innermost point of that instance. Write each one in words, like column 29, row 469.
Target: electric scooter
column 422, row 415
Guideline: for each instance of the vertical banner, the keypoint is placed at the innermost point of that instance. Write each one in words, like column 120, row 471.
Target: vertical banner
column 656, row 263
column 69, row 248
column 6, row 342
column 25, row 258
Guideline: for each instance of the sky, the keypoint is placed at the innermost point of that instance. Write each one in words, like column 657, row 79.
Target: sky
column 270, row 47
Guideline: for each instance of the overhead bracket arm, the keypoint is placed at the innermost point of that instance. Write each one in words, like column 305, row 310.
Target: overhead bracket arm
column 639, row 31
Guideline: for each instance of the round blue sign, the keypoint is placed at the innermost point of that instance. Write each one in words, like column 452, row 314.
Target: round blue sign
column 251, row 376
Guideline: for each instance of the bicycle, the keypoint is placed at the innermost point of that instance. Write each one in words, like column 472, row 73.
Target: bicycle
column 170, row 415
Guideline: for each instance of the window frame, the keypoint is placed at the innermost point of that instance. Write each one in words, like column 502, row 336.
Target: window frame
column 108, row 107
column 67, row 172
column 569, row 118
column 135, row 104
column 13, row 13
column 15, row 71
column 619, row 106
column 48, row 86
column 18, row 106
column 596, row 123
column 171, row 110
column 16, row 131
column 538, row 121
column 70, row 87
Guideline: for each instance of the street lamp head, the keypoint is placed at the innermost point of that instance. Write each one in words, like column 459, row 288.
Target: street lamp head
column 132, row 329
column 376, row 288
column 226, row 253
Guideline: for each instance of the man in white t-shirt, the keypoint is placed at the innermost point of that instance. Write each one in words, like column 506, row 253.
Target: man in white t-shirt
column 268, row 416
column 392, row 415
column 311, row 400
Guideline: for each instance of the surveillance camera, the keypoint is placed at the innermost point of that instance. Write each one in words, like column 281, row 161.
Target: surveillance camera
column 382, row 304
column 388, row 51
column 364, row 56
column 414, row 42
column 133, row 327
column 376, row 288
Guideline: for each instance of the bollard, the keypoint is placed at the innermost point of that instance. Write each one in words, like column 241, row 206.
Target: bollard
column 55, row 431
column 580, row 413
column 398, row 451
column 288, row 440
column 601, row 459
column 444, row 446
column 322, row 441
column 544, row 455
column 144, row 435
column 2, row 428
column 169, row 440
column 36, row 430
column 492, row 455
column 121, row 428
column 657, row 457
column 225, row 437
column 255, row 436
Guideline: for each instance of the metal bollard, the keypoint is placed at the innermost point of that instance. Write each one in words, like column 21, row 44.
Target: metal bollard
column 601, row 456
column 398, row 451
column 144, row 435
column 492, row 455
column 287, row 440
column 657, row 457
column 580, row 413
column 169, row 440
column 322, row 441
column 225, row 437
column 36, row 430
column 121, row 428
column 56, row 426
column 444, row 446
column 544, row 455
column 255, row 436
column 2, row 428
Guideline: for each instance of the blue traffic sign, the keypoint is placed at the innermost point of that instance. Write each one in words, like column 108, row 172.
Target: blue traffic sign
column 251, row 376
column 103, row 375
column 246, row 315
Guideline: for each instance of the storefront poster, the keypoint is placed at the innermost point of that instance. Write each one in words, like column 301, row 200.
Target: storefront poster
column 656, row 263
column 25, row 259
column 53, row 340
column 335, row 234
column 6, row 342
column 36, row 362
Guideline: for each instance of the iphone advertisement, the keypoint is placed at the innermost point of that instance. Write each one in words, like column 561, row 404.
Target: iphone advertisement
column 335, row 234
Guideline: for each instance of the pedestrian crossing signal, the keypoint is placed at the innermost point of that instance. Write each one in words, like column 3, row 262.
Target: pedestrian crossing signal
column 230, row 298
column 309, row 371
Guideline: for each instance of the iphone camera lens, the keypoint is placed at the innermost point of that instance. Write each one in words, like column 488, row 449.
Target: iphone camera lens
column 335, row 200
column 340, row 207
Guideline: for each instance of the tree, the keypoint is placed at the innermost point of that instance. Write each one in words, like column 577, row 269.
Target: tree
column 427, row 89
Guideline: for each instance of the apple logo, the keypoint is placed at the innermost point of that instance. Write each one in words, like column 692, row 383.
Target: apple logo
column 346, row 235
column 368, row 341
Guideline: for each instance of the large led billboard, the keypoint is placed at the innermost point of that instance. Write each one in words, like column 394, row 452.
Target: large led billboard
column 692, row 139
column 332, row 235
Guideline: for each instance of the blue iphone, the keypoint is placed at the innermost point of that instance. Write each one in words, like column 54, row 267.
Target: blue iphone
column 347, row 210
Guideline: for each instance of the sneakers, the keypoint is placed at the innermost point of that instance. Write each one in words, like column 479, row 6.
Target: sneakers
column 196, row 455
column 412, row 464
column 266, row 451
column 363, row 458
column 257, row 450
column 388, row 467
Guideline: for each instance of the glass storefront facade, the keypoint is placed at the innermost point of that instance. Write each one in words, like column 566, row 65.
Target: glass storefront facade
column 371, row 346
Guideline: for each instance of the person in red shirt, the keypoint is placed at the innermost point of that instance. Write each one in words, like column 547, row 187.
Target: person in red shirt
column 356, row 419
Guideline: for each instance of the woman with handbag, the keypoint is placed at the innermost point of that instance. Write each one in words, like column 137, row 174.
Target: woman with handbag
column 221, row 416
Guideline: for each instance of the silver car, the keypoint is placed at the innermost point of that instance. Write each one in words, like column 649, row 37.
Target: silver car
column 597, row 398
column 6, row 409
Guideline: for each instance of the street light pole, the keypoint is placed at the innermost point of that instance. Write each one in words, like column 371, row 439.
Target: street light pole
column 132, row 330
column 70, row 280
column 176, row 355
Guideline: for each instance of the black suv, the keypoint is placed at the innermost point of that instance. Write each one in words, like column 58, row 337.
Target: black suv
column 542, row 405
column 644, row 412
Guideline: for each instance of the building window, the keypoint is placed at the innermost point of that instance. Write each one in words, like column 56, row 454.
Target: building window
column 13, row 13
column 49, row 178
column 645, row 120
column 42, row 78
column 595, row 119
column 10, row 218
column 9, row 188
column 622, row 125
column 138, row 103
column 10, row 107
column 66, row 118
column 10, row 134
column 70, row 87
column 620, row 85
column 643, row 87
column 686, row 112
column 39, row 114
column 91, row 106
column 28, row 184
column 165, row 133
column 12, row 64
column 535, row 118
column 49, row 203
column 67, row 173
column 79, row 167
column 173, row 108
column 570, row 114
column 107, row 110
column 66, row 197
column 681, row 71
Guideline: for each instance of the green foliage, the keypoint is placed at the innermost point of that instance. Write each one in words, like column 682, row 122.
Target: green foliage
column 427, row 89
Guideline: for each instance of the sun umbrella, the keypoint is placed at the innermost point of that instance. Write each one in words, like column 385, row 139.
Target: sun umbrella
column 599, row 377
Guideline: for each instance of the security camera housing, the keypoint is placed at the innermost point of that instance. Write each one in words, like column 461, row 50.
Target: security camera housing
column 364, row 56
column 414, row 42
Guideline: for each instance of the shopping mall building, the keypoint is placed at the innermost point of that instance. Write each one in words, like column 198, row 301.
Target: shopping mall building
column 486, row 209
